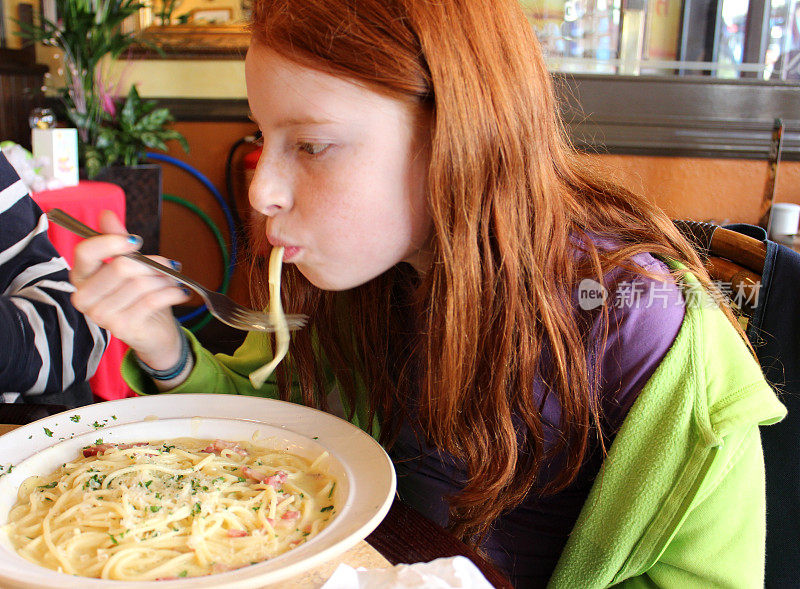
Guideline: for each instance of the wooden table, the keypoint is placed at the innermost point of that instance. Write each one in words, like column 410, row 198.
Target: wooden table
column 404, row 536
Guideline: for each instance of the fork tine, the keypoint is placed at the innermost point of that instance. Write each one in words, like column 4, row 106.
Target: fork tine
column 249, row 318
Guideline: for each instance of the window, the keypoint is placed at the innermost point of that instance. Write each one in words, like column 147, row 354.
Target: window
column 725, row 39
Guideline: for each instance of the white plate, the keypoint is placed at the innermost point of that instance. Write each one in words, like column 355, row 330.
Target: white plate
column 362, row 498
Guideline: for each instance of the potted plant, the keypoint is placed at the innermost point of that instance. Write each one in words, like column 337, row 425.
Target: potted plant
column 128, row 129
column 113, row 134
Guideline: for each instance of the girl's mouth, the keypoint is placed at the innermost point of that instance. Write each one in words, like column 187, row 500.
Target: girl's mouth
column 289, row 252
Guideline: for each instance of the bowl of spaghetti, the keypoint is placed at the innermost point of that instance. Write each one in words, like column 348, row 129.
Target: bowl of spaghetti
column 110, row 495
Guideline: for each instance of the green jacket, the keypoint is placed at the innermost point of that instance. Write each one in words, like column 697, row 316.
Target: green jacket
column 680, row 500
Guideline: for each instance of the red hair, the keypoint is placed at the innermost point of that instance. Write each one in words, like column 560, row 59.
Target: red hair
column 507, row 196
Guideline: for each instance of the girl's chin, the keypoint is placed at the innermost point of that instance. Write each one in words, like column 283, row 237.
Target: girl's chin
column 331, row 281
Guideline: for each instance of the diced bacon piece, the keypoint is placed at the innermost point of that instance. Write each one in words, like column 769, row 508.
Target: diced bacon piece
column 291, row 515
column 271, row 522
column 101, row 448
column 217, row 446
column 253, row 474
column 276, row 480
column 132, row 445
column 95, row 450
column 236, row 533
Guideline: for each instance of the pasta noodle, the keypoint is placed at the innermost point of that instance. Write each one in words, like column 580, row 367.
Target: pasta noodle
column 258, row 377
column 170, row 509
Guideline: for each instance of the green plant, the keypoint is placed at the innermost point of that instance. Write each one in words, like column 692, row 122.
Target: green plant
column 165, row 12
column 127, row 132
column 87, row 33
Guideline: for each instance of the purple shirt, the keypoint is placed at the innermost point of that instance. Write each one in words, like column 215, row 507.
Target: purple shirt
column 644, row 318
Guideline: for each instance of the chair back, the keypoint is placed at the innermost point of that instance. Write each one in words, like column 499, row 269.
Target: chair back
column 735, row 261
column 772, row 273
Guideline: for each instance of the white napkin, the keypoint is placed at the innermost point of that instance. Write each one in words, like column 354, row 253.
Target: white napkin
column 443, row 573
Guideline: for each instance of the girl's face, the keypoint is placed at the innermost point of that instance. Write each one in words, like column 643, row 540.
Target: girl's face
column 341, row 177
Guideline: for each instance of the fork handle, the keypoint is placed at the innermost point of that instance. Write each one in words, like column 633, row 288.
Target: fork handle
column 69, row 222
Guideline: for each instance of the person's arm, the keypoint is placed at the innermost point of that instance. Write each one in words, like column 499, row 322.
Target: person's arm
column 46, row 345
column 226, row 374
column 721, row 541
column 212, row 374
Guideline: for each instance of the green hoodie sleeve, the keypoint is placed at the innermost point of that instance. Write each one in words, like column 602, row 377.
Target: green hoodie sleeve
column 225, row 374
column 213, row 374
column 720, row 543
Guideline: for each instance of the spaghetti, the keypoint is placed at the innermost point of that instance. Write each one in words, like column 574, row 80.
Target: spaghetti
column 170, row 509
column 258, row 377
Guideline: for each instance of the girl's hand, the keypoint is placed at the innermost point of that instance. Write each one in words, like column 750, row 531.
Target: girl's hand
column 126, row 297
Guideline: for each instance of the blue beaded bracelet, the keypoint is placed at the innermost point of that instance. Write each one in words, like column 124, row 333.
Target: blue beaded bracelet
column 169, row 373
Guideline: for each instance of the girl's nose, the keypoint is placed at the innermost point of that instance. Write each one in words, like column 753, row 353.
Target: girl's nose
column 270, row 190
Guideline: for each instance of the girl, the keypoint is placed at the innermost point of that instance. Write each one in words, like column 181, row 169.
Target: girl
column 531, row 342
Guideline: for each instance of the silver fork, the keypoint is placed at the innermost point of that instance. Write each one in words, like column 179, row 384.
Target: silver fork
column 218, row 304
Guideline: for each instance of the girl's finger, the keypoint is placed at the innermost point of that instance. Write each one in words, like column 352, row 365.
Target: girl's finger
column 102, row 298
column 90, row 253
column 116, row 274
column 134, row 325
column 110, row 223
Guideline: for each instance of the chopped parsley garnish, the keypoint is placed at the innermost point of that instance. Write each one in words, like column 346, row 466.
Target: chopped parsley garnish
column 196, row 508
column 324, row 509
column 96, row 425
column 95, row 482
column 155, row 508
column 330, row 494
column 113, row 539
column 48, row 433
column 75, row 418
column 114, row 417
column 183, row 573
column 98, row 441
column 48, row 485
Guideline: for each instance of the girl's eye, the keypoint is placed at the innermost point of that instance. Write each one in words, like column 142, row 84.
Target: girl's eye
column 313, row 148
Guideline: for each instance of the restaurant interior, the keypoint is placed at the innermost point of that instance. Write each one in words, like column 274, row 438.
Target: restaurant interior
column 693, row 103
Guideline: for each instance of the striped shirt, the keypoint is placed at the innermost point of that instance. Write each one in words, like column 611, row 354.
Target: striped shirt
column 46, row 345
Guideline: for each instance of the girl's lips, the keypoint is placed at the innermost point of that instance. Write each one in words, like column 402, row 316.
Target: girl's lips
column 289, row 252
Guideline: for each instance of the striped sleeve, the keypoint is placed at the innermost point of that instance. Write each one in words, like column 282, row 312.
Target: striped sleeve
column 46, row 345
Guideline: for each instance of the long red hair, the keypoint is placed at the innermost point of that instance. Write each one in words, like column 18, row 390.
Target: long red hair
column 508, row 197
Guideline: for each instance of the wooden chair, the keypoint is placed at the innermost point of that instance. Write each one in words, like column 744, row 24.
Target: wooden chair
column 732, row 259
